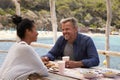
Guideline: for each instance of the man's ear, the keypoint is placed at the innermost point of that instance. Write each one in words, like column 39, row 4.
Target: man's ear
column 76, row 28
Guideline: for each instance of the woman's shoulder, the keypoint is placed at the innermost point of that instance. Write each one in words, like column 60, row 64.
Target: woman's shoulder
column 21, row 46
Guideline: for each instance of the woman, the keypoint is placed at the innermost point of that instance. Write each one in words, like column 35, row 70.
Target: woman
column 22, row 61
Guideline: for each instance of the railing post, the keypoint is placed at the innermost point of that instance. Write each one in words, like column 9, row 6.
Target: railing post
column 107, row 61
column 53, row 19
column 108, row 23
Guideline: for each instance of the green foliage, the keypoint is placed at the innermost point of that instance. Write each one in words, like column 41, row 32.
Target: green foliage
column 116, row 4
column 88, row 17
column 23, row 10
column 35, row 4
column 10, row 11
column 6, row 4
column 2, row 12
column 116, row 13
column 80, row 25
column 93, row 26
column 79, row 13
column 64, row 11
column 62, row 3
column 44, row 13
column 88, row 12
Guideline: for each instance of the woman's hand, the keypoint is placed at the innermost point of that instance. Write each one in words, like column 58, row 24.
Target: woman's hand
column 45, row 60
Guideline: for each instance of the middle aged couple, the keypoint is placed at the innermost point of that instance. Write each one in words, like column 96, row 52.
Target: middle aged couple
column 22, row 61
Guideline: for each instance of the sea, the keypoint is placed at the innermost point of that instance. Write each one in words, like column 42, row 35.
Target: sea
column 98, row 40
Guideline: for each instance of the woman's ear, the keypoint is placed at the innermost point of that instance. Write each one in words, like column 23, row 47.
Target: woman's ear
column 27, row 32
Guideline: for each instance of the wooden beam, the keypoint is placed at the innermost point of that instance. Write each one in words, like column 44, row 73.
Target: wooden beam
column 7, row 40
column 109, row 53
column 3, row 51
column 41, row 45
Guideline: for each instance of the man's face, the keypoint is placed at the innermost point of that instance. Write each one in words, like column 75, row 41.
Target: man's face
column 69, row 31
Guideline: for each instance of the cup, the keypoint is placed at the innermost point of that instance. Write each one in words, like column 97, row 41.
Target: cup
column 61, row 66
column 65, row 58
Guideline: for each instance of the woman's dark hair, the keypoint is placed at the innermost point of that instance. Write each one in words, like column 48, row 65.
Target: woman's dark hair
column 22, row 25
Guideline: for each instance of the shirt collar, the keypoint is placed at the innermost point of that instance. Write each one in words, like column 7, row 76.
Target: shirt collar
column 76, row 40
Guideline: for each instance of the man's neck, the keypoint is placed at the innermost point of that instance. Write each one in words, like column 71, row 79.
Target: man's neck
column 72, row 39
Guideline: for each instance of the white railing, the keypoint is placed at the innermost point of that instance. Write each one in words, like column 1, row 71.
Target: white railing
column 41, row 45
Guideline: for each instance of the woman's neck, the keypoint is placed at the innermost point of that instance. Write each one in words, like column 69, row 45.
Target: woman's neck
column 27, row 41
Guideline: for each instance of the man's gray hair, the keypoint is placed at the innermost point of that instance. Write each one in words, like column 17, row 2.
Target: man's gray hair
column 70, row 19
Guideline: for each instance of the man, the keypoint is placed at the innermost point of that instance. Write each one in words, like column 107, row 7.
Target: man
column 79, row 47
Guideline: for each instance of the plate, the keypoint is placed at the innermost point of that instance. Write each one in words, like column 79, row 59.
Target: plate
column 109, row 74
column 51, row 64
column 90, row 75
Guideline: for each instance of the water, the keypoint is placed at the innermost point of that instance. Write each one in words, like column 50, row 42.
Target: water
column 98, row 40
column 114, row 42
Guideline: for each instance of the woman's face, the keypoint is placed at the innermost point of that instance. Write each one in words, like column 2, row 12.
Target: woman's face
column 32, row 34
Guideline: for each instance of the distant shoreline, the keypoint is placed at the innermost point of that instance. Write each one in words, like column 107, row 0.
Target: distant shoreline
column 42, row 34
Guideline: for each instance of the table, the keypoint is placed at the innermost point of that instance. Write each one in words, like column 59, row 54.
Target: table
column 75, row 74
column 53, row 76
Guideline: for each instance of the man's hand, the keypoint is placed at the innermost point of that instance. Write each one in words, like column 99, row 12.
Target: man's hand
column 73, row 64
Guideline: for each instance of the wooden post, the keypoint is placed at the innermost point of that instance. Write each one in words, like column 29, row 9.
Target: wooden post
column 17, row 5
column 53, row 19
column 108, row 23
